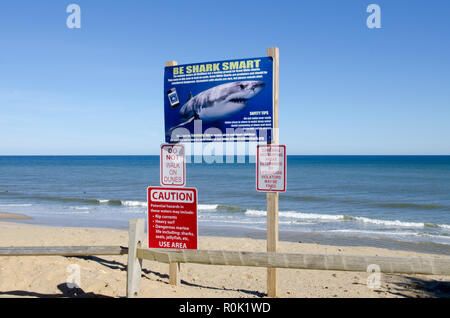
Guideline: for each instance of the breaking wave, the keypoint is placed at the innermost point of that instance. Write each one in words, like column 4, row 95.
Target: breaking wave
column 134, row 203
column 284, row 215
column 342, row 217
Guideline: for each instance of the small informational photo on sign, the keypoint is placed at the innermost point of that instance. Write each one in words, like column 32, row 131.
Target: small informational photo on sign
column 172, row 218
column 173, row 165
column 271, row 168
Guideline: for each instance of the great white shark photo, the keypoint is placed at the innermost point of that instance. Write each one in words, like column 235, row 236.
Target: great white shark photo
column 218, row 103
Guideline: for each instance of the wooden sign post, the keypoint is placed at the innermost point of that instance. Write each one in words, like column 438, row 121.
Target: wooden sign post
column 272, row 197
column 174, row 268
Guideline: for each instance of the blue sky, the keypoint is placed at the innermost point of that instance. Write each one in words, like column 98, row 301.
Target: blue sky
column 344, row 88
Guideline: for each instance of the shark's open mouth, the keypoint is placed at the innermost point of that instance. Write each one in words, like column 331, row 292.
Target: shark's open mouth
column 239, row 100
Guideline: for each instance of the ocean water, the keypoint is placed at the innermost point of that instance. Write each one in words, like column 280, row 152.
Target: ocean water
column 386, row 201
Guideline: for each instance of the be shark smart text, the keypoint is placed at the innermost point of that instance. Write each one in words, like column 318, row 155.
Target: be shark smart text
column 216, row 67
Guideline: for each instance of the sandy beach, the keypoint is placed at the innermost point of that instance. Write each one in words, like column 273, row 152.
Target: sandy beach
column 105, row 276
column 14, row 216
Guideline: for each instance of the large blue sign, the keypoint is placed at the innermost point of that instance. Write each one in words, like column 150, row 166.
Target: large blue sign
column 219, row 101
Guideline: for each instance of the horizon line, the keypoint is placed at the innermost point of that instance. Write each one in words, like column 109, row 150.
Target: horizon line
column 246, row 155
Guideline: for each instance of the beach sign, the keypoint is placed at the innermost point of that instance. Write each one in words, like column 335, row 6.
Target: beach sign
column 172, row 218
column 229, row 100
column 271, row 168
column 232, row 100
column 173, row 165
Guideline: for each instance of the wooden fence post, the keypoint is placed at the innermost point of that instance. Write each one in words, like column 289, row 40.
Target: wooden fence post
column 174, row 277
column 135, row 241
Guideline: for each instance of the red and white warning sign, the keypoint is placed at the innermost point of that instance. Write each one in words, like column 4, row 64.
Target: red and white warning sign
column 173, row 165
column 172, row 218
column 271, row 168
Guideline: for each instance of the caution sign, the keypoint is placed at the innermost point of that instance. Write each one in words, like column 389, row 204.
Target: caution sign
column 271, row 168
column 172, row 218
column 173, row 165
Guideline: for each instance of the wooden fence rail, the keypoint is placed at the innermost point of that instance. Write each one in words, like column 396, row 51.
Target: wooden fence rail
column 400, row 265
column 63, row 250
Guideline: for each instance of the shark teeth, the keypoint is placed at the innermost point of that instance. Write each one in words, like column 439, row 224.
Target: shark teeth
column 239, row 100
